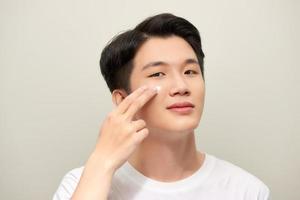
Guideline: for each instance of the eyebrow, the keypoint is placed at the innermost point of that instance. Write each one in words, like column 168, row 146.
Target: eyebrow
column 158, row 63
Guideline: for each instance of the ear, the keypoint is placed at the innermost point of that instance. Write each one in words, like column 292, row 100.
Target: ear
column 118, row 96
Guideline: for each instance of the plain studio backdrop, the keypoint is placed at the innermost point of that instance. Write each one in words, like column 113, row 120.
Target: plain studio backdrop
column 53, row 97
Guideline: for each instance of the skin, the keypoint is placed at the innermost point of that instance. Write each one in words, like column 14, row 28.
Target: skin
column 119, row 136
column 141, row 129
column 167, row 142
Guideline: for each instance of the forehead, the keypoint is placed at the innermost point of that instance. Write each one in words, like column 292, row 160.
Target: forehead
column 173, row 50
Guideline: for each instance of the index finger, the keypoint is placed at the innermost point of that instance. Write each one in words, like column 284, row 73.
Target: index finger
column 123, row 106
column 139, row 103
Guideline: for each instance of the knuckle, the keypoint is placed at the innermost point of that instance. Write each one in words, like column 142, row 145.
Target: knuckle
column 146, row 131
column 142, row 122
column 113, row 118
column 110, row 116
column 119, row 121
column 141, row 135
column 129, row 129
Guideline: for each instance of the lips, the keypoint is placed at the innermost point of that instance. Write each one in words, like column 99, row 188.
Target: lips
column 181, row 105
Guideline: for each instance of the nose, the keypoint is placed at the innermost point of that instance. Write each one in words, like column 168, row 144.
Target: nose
column 179, row 87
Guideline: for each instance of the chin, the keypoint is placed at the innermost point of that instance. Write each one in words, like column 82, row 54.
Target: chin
column 184, row 127
column 172, row 123
column 180, row 125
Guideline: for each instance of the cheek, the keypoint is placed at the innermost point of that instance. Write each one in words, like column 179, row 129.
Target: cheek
column 198, row 88
column 200, row 97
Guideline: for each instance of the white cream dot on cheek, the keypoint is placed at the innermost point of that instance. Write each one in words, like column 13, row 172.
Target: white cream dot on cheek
column 158, row 88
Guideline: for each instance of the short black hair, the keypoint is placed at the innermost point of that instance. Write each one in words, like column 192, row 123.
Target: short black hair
column 116, row 62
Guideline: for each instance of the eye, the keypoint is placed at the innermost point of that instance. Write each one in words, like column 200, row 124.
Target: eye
column 156, row 74
column 192, row 72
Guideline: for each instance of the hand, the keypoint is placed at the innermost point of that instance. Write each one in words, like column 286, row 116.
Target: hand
column 120, row 134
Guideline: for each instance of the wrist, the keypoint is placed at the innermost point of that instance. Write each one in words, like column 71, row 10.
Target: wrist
column 100, row 163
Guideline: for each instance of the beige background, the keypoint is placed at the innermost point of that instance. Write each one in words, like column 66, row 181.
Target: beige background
column 53, row 97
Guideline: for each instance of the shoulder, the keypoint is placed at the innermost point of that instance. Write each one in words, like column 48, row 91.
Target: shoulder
column 68, row 184
column 234, row 176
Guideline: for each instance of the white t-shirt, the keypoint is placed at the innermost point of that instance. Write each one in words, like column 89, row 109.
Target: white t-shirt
column 216, row 179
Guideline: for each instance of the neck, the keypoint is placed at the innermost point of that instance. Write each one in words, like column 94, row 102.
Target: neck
column 166, row 159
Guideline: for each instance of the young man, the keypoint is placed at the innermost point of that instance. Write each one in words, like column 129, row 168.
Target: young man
column 146, row 147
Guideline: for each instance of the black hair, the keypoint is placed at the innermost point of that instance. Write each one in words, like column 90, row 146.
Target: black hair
column 116, row 62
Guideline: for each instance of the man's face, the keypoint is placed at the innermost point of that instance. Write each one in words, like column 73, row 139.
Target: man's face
column 179, row 81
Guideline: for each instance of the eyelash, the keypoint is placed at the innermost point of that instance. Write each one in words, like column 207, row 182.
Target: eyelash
column 153, row 75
